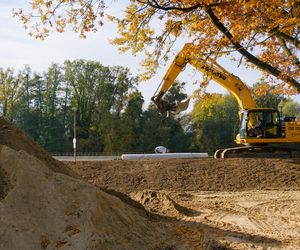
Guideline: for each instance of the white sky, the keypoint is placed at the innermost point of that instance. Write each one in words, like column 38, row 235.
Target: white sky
column 18, row 49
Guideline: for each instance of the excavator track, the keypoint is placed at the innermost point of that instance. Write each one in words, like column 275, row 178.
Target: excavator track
column 258, row 152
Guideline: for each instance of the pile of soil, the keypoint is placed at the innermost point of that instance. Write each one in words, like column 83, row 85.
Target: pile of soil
column 15, row 138
column 204, row 174
column 48, row 210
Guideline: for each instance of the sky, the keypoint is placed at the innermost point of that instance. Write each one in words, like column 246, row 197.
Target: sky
column 18, row 49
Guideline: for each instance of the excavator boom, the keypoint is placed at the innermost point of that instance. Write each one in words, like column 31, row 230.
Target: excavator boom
column 212, row 70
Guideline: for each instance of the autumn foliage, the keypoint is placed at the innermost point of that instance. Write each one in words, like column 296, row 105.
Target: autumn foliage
column 83, row 16
column 260, row 34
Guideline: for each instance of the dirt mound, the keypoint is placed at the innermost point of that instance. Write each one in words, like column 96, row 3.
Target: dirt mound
column 16, row 139
column 48, row 210
column 155, row 202
column 192, row 174
column 161, row 203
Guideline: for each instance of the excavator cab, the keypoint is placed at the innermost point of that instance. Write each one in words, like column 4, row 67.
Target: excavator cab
column 260, row 123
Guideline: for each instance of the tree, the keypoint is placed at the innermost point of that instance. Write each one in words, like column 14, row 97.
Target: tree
column 159, row 130
column 52, row 132
column 176, row 92
column 99, row 94
column 110, row 116
column 266, row 97
column 215, row 121
column 114, row 128
column 165, row 130
column 132, row 119
column 29, row 107
column 35, row 119
column 9, row 91
column 261, row 34
column 289, row 108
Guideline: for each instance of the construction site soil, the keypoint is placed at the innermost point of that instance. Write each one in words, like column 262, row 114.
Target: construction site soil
column 204, row 174
column 149, row 204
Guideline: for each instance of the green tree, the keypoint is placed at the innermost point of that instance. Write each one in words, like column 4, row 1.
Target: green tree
column 52, row 133
column 176, row 92
column 83, row 82
column 113, row 128
column 215, row 121
column 289, row 108
column 165, row 130
column 132, row 119
column 267, row 99
column 9, row 91
column 28, row 107
column 33, row 106
column 99, row 94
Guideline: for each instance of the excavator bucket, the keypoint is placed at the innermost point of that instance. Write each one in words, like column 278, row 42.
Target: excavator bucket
column 182, row 106
column 164, row 106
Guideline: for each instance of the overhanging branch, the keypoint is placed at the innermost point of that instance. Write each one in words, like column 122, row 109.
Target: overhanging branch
column 286, row 37
column 251, row 58
column 156, row 5
column 289, row 52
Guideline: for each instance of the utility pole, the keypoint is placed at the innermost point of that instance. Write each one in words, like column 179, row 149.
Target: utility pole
column 74, row 139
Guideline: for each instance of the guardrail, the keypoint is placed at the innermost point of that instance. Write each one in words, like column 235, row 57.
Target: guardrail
column 85, row 154
column 87, row 158
column 69, row 157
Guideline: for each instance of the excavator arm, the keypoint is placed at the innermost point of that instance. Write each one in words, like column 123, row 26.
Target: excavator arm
column 211, row 69
column 170, row 76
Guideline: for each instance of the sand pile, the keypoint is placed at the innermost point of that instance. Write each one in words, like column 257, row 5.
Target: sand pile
column 16, row 139
column 50, row 210
column 46, row 209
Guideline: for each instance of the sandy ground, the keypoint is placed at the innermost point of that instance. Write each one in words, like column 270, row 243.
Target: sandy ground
column 192, row 174
column 155, row 204
column 231, row 203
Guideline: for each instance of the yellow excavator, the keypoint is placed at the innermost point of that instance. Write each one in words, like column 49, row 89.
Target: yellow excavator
column 261, row 133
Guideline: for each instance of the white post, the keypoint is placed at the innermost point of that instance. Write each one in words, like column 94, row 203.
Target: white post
column 74, row 139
